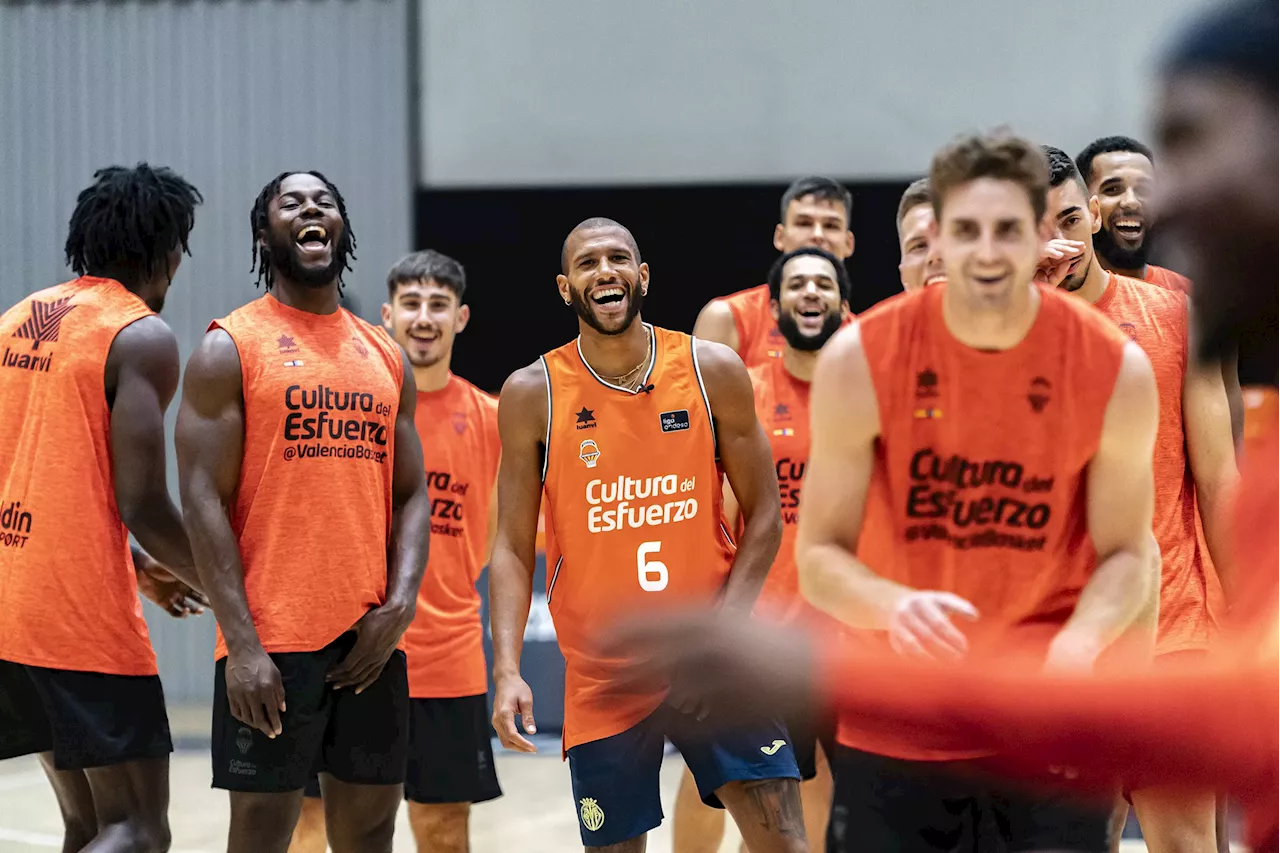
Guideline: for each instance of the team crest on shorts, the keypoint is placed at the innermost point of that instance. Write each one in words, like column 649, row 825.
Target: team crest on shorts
column 589, row 452
column 244, row 739
column 591, row 813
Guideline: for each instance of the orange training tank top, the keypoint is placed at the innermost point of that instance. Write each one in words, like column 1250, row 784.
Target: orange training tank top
column 979, row 479
column 458, row 426
column 759, row 340
column 313, row 510
column 1190, row 594
column 633, row 506
column 68, row 593
column 1168, row 279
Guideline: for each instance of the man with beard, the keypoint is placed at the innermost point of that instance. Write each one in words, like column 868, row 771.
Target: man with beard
column 816, row 212
column 921, row 265
column 304, row 494
column 1194, row 471
column 627, row 431
column 450, row 751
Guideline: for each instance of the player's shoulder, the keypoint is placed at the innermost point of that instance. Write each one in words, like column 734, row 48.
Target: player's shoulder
column 746, row 298
column 481, row 399
column 1167, row 279
column 525, row 383
column 1152, row 295
column 1080, row 317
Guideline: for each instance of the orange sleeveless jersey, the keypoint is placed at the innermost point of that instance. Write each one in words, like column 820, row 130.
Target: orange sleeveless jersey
column 313, row 510
column 458, row 426
column 759, row 340
column 1168, row 279
column 979, row 479
column 634, row 516
column 68, row 593
column 1190, row 595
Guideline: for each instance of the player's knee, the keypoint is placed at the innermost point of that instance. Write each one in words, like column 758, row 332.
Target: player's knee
column 369, row 833
column 440, row 827
column 309, row 832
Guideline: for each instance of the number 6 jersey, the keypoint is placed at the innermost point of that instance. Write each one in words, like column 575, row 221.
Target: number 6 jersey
column 633, row 513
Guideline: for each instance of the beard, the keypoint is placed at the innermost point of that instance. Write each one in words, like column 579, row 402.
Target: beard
column 798, row 340
column 1104, row 243
column 584, row 310
column 283, row 255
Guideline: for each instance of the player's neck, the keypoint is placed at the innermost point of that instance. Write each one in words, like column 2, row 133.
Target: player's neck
column 1140, row 273
column 1095, row 282
column 316, row 300
column 800, row 363
column 991, row 327
column 433, row 377
column 614, row 355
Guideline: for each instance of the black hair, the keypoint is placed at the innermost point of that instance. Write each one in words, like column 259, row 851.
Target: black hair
column 821, row 188
column 775, row 271
column 591, row 224
column 258, row 222
column 1238, row 38
column 428, row 264
column 1062, row 168
column 914, row 196
column 129, row 220
column 1109, row 145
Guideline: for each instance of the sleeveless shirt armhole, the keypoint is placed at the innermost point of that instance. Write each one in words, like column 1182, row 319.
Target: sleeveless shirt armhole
column 706, row 401
column 546, row 441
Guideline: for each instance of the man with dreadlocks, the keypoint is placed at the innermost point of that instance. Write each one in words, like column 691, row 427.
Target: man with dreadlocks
column 87, row 370
column 305, row 496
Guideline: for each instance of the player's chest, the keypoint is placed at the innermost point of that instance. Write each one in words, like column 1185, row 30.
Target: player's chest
column 344, row 376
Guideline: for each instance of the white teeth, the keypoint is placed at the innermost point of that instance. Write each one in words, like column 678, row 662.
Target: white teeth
column 1127, row 223
column 609, row 291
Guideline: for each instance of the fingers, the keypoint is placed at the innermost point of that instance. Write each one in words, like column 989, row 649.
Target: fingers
column 355, row 668
column 958, row 605
column 366, row 679
column 273, row 703
column 526, row 715
column 932, row 628
column 505, row 726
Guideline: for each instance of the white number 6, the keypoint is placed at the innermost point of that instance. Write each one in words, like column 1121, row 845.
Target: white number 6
column 652, row 573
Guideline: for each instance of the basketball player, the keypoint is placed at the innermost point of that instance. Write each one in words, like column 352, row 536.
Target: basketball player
column 815, row 212
column 1194, row 471
column 303, row 489
column 450, row 753
column 976, row 523
column 617, row 429
column 87, row 372
column 920, row 265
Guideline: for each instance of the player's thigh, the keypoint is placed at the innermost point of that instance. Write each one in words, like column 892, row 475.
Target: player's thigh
column 450, row 752
column 359, row 818
column 1035, row 818
column 616, row 784
column 367, row 739
column 75, row 802
column 1176, row 820
column 881, row 803
column 440, row 827
column 24, row 723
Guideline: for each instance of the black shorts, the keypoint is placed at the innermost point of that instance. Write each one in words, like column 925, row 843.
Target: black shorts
column 450, row 752
column 361, row 739
column 87, row 719
column 888, row 804
column 807, row 731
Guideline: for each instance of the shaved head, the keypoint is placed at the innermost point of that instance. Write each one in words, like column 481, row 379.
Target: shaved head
column 596, row 223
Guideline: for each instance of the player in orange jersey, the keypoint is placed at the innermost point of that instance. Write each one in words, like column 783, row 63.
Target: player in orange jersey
column 87, row 371
column 943, row 513
column 626, row 433
column 450, row 751
column 921, row 265
column 815, row 212
column 1194, row 471
column 303, row 485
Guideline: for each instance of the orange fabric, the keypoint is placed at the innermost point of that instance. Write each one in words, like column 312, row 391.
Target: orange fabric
column 634, row 518
column 313, row 530
column 458, row 426
column 68, row 593
column 759, row 340
column 979, row 479
column 1168, row 279
column 1190, row 594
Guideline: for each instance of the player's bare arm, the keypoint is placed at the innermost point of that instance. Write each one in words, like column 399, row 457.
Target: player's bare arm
column 210, row 444
column 844, row 424
column 157, row 584
column 522, row 425
column 1121, row 502
column 1211, row 451
column 141, row 377
column 715, row 323
column 491, row 530
column 748, row 467
column 378, row 631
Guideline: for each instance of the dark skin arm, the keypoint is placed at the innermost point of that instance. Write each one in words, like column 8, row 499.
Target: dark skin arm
column 210, row 442
column 140, row 379
column 158, row 585
column 748, row 464
column 522, row 425
column 380, row 629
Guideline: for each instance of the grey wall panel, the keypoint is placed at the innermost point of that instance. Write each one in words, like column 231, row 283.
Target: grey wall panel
column 229, row 94
column 584, row 91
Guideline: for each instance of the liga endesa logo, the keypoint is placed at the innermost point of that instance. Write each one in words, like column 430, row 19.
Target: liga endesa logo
column 320, row 416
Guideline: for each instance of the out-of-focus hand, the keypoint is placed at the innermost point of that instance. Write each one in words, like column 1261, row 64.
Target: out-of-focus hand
column 1056, row 257
column 921, row 625
column 172, row 595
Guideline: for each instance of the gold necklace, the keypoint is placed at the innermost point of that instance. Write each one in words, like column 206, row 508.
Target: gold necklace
column 623, row 378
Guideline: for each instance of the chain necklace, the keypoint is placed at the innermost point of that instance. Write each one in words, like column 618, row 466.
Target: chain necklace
column 625, row 380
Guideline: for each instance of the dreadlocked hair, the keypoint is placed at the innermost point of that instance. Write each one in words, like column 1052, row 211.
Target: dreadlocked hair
column 345, row 248
column 130, row 220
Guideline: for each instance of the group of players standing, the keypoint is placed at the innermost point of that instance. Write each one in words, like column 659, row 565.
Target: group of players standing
column 1019, row 458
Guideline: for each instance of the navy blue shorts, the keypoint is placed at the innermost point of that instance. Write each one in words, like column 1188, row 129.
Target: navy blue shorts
column 615, row 779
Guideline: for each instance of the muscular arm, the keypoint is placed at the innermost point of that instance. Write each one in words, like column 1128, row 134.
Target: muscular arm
column 844, row 423
column 748, row 465
column 491, row 531
column 715, row 323
column 1120, row 504
column 210, row 442
column 410, row 506
column 141, row 377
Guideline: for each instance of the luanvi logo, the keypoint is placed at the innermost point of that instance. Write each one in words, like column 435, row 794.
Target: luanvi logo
column 42, row 326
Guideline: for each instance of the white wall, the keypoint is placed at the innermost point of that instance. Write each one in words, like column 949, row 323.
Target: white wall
column 616, row 91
